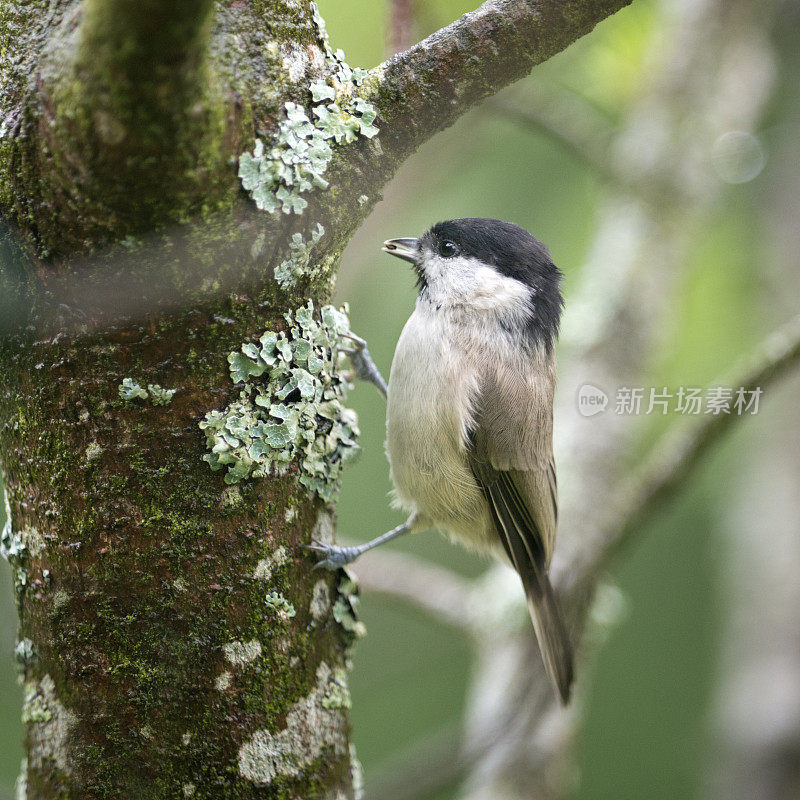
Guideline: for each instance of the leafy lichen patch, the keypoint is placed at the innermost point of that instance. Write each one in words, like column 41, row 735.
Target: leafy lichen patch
column 276, row 178
column 159, row 395
column 312, row 730
column 291, row 407
column 130, row 390
column 280, row 606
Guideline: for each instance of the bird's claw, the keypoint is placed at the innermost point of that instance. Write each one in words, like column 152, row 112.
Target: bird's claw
column 362, row 363
column 335, row 556
column 360, row 344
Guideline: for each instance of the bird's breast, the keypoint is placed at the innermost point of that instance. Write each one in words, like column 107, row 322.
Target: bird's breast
column 432, row 391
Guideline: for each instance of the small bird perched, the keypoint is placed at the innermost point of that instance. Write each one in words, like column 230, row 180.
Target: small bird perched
column 470, row 408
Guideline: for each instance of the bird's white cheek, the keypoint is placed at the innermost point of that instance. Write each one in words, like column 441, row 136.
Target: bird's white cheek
column 499, row 294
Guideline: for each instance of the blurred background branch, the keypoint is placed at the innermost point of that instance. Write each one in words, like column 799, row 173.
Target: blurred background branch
column 437, row 590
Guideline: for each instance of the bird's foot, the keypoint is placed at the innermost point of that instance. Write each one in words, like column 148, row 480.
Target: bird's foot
column 363, row 365
column 332, row 556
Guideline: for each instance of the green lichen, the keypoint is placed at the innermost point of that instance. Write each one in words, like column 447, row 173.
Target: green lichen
column 25, row 652
column 280, row 606
column 159, row 395
column 266, row 566
column 240, row 653
column 130, row 390
column 289, row 271
column 93, row 451
column 301, row 152
column 14, row 549
column 34, row 706
column 291, row 408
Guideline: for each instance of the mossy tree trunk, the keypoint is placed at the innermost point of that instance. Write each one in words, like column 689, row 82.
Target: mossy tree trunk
column 174, row 640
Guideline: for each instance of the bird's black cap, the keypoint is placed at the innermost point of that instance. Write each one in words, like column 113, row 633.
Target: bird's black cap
column 515, row 253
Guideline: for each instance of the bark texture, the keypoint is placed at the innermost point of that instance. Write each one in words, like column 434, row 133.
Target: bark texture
column 173, row 639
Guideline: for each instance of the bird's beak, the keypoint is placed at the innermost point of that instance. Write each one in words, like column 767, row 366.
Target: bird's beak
column 407, row 249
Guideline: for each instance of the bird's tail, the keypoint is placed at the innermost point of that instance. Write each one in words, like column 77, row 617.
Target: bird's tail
column 552, row 634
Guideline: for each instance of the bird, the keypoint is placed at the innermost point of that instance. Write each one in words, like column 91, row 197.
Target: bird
column 469, row 421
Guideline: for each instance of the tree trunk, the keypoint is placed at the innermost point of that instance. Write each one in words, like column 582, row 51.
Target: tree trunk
column 175, row 641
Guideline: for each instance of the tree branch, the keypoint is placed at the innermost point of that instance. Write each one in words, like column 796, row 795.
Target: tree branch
column 426, row 88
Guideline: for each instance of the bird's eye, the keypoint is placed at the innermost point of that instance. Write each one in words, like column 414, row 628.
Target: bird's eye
column 447, row 249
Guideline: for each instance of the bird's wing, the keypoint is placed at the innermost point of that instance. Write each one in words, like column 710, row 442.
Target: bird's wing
column 511, row 456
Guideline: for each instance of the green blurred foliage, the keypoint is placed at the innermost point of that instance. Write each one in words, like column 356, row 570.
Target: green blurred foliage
column 648, row 690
